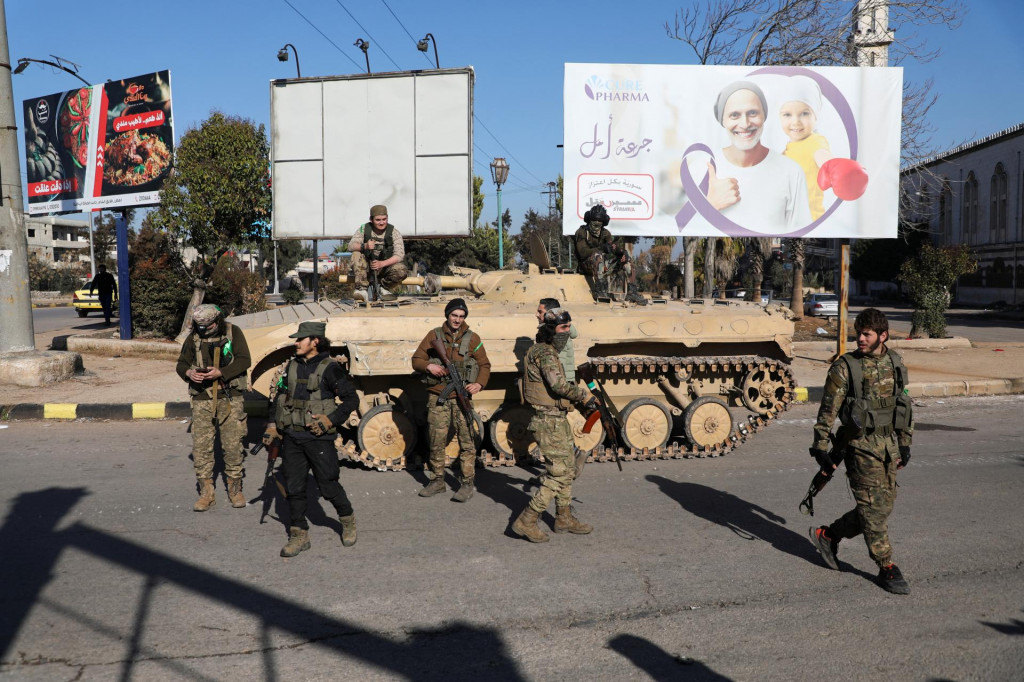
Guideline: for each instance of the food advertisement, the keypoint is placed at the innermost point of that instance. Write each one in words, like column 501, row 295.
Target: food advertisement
column 100, row 147
column 738, row 151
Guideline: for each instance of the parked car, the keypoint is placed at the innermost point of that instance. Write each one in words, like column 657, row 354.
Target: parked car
column 822, row 305
column 84, row 302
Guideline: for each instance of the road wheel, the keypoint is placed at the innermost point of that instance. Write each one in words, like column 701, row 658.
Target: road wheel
column 707, row 422
column 764, row 390
column 386, row 436
column 646, row 423
column 510, row 431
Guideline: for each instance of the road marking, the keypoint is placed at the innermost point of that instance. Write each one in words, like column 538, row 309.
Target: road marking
column 148, row 410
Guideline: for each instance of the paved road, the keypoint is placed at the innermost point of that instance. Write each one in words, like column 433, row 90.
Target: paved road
column 964, row 323
column 697, row 569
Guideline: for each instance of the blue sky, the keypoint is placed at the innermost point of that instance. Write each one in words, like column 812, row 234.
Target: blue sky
column 222, row 55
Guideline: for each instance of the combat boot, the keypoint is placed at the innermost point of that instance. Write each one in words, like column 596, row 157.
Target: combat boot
column 298, row 541
column 526, row 526
column 565, row 522
column 206, row 499
column 235, row 492
column 465, row 491
column 435, row 487
column 348, row 530
column 891, row 579
column 826, row 546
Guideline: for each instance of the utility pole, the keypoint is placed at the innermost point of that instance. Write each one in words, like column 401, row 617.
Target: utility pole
column 16, row 331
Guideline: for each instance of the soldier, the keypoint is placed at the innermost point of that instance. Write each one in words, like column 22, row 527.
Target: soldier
column 600, row 258
column 466, row 351
column 867, row 390
column 213, row 360
column 305, row 418
column 377, row 245
column 567, row 355
column 547, row 391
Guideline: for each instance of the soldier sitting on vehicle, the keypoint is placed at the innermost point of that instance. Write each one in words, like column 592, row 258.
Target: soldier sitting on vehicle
column 377, row 246
column 605, row 264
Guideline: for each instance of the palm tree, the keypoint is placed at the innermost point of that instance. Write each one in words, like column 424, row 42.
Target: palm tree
column 760, row 248
column 796, row 304
column 727, row 257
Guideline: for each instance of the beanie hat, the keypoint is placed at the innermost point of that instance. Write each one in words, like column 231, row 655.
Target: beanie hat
column 379, row 209
column 730, row 90
column 456, row 304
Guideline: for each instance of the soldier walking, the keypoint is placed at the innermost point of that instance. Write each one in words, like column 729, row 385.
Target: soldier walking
column 213, row 360
column 377, row 245
column 866, row 390
column 546, row 390
column 467, row 353
column 305, row 418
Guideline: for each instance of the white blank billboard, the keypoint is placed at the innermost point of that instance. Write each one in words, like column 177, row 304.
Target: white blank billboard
column 341, row 144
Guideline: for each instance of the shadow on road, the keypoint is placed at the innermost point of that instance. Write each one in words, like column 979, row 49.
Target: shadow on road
column 661, row 665
column 1014, row 628
column 31, row 526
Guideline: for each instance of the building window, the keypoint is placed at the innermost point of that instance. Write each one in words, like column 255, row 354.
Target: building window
column 31, row 232
column 946, row 213
column 969, row 209
column 997, row 212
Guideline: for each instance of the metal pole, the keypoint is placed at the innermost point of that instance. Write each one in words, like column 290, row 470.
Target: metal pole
column 316, row 273
column 124, row 298
column 92, row 252
column 16, row 330
column 276, row 278
column 501, row 235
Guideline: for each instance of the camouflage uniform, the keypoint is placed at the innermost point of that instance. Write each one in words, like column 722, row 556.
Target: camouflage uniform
column 390, row 276
column 871, row 458
column 590, row 251
column 550, row 427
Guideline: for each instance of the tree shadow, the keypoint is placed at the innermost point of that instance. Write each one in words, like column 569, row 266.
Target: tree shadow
column 661, row 665
column 31, row 525
column 746, row 519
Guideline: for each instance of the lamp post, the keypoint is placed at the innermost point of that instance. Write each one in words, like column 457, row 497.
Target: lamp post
column 59, row 64
column 365, row 47
column 499, row 173
column 282, row 56
column 422, row 46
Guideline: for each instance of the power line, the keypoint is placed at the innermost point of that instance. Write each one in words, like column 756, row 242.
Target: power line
column 372, row 39
column 354, row 63
column 415, row 42
column 510, row 154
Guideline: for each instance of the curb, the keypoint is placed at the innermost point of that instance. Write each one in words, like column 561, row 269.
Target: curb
column 935, row 389
column 113, row 411
column 951, row 342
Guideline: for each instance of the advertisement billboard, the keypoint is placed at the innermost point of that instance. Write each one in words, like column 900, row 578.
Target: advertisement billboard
column 689, row 151
column 342, row 144
column 104, row 146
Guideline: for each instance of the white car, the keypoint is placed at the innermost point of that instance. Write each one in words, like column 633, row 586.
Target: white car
column 822, row 305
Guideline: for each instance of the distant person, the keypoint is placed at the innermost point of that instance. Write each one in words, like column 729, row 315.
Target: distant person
column 377, row 246
column 601, row 260
column 567, row 355
column 213, row 360
column 809, row 148
column 105, row 283
column 305, row 417
column 753, row 186
column 866, row 390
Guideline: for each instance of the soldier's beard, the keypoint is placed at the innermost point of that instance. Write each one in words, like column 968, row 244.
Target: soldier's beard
column 559, row 340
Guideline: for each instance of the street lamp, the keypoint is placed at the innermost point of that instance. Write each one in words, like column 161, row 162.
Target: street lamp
column 422, row 46
column 282, row 56
column 59, row 64
column 365, row 47
column 499, row 173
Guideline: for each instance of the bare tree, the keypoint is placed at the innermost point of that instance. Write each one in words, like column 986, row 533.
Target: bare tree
column 818, row 33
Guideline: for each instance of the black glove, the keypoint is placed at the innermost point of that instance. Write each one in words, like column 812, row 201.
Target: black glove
column 904, row 456
column 823, row 459
column 591, row 405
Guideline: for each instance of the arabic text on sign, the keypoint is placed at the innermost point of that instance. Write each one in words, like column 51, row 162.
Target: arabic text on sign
column 39, row 189
column 146, row 119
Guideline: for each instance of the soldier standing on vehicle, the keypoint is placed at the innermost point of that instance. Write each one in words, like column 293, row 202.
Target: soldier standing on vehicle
column 546, row 390
column 377, row 245
column 305, row 418
column 213, row 360
column 567, row 355
column 866, row 390
column 467, row 353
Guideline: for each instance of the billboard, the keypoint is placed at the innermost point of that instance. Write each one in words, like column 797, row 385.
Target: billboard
column 342, row 144
column 689, row 151
column 103, row 146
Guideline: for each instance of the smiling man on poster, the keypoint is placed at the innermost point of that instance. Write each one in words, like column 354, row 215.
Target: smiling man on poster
column 750, row 184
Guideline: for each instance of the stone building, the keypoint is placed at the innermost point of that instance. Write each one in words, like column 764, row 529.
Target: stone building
column 55, row 240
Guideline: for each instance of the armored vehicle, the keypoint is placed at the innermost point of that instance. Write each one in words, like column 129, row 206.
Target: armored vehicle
column 690, row 378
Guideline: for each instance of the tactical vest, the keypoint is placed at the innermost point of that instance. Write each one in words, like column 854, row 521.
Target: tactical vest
column 290, row 413
column 380, row 252
column 535, row 391
column 237, row 384
column 469, row 368
column 878, row 416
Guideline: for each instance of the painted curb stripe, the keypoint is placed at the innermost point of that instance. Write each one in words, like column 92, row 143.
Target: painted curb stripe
column 59, row 411
column 800, row 394
column 148, row 410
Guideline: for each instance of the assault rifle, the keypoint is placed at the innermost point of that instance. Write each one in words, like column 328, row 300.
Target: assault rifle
column 821, row 478
column 373, row 291
column 458, row 387
column 605, row 413
column 272, row 453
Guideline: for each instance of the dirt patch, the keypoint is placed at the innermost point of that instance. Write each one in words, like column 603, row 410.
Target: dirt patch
column 807, row 329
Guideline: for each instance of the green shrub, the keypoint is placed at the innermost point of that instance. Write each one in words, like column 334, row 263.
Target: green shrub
column 331, row 288
column 161, row 288
column 42, row 277
column 236, row 290
column 293, row 294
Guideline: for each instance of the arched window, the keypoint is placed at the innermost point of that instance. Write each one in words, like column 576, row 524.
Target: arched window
column 997, row 212
column 946, row 213
column 969, row 209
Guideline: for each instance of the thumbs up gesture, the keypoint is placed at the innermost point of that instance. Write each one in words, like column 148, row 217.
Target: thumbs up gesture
column 722, row 192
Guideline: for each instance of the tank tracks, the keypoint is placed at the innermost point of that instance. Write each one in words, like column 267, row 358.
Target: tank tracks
column 767, row 398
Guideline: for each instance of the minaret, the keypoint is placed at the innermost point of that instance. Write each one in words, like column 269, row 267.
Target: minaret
column 871, row 33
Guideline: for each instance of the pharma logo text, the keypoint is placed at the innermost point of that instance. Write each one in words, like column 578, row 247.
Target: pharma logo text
column 614, row 90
